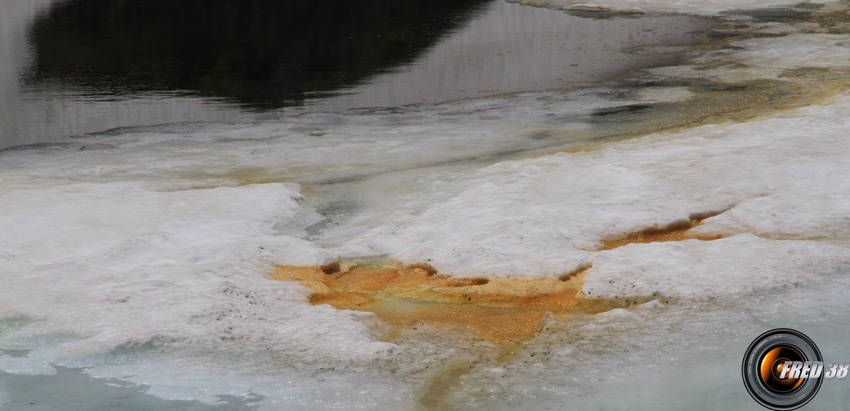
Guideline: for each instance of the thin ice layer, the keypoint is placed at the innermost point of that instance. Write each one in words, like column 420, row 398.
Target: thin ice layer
column 708, row 8
column 776, row 58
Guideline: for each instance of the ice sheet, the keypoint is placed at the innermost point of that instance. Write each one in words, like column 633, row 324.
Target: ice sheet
column 147, row 260
column 544, row 217
column 163, row 284
column 123, row 270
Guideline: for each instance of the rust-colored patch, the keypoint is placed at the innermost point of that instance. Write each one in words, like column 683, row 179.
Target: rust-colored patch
column 677, row 231
column 578, row 271
column 498, row 309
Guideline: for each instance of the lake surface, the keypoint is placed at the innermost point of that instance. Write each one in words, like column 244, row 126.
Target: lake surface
column 79, row 67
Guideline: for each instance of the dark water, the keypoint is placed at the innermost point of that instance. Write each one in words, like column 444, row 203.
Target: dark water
column 260, row 54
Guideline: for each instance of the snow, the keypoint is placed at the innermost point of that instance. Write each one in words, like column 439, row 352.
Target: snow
column 121, row 269
column 780, row 178
column 149, row 260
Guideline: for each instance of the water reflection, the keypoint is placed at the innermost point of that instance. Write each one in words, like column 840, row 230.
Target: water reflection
column 72, row 67
column 260, row 53
column 512, row 48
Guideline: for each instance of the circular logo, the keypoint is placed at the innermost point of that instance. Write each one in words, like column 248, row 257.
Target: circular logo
column 772, row 369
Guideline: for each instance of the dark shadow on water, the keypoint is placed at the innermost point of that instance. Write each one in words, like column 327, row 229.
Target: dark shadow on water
column 263, row 54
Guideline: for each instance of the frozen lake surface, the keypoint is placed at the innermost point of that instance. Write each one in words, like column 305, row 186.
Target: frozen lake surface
column 150, row 186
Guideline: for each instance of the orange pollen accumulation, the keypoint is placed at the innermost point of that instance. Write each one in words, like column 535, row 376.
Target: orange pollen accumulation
column 498, row 309
column 678, row 231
